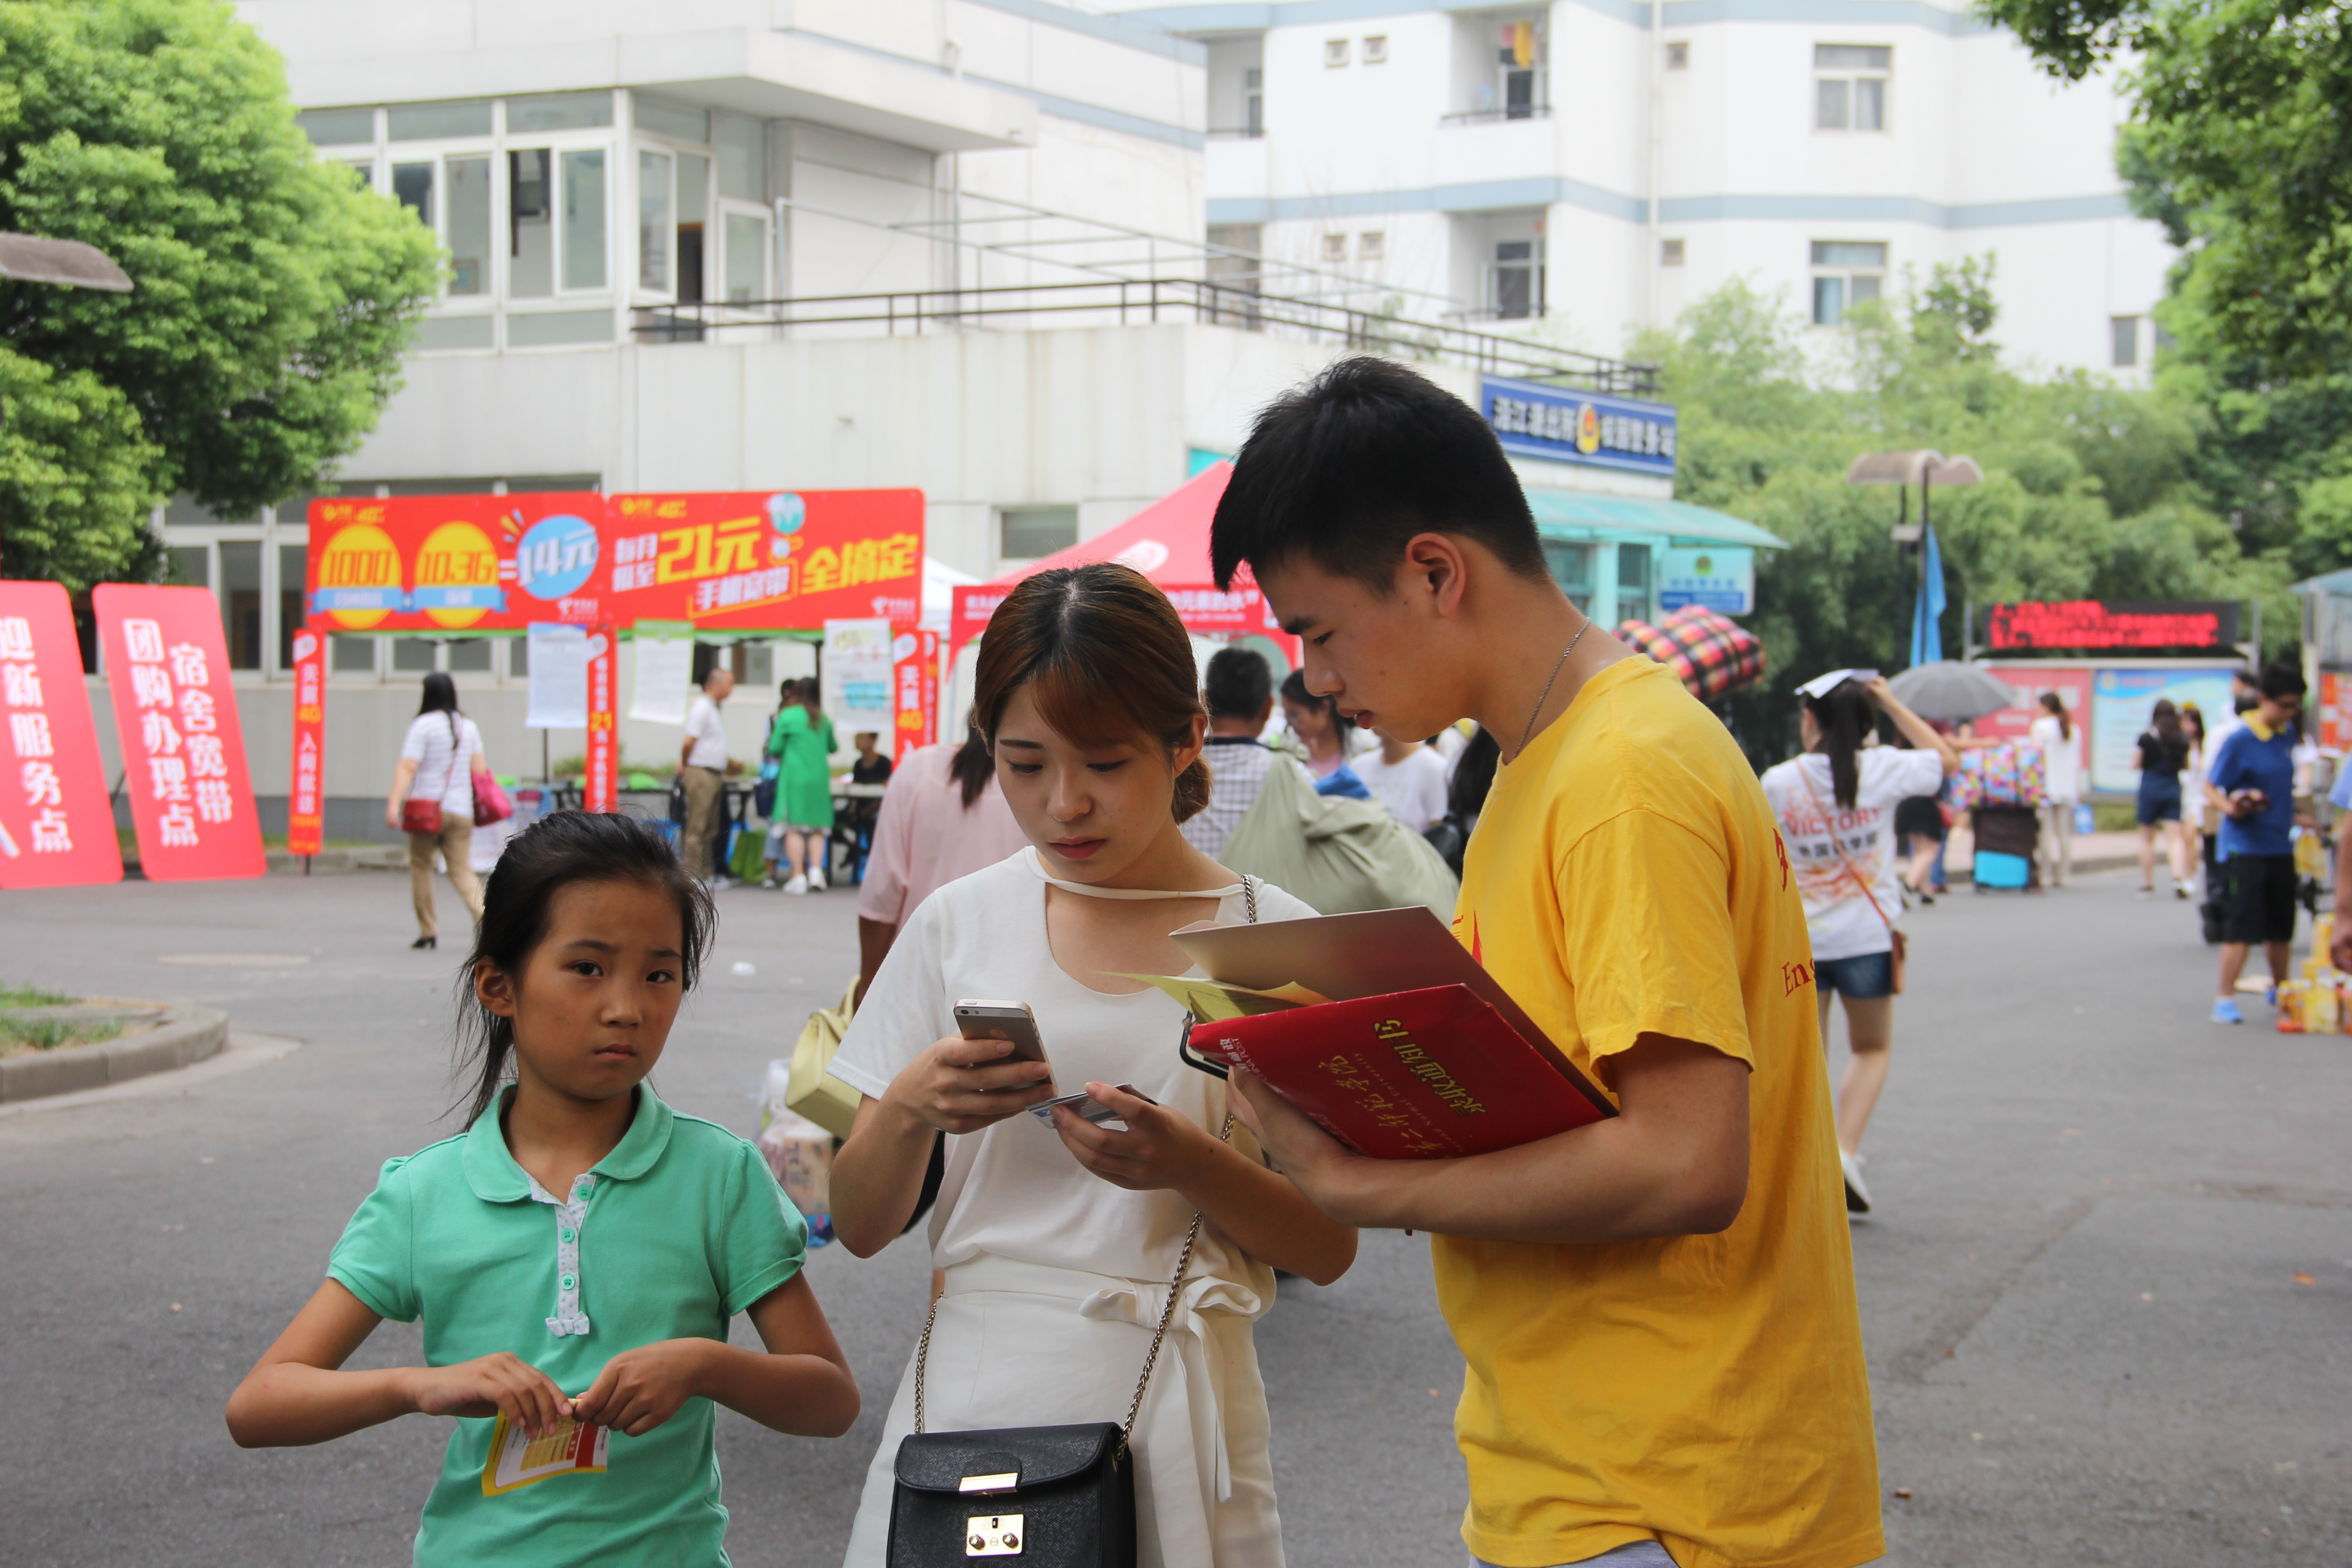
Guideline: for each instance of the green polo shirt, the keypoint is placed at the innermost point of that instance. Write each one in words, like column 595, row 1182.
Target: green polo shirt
column 677, row 1229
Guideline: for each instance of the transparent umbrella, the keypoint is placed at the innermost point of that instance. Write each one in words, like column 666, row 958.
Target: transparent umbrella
column 1951, row 690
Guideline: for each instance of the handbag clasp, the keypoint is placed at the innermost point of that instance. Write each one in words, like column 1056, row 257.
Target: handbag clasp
column 992, row 1534
column 1004, row 1482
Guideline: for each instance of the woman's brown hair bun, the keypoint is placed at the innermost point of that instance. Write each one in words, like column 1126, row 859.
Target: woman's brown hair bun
column 1105, row 658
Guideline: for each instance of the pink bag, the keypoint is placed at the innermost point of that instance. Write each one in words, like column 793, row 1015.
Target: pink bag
column 490, row 804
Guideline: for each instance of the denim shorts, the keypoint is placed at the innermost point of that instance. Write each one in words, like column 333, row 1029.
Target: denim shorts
column 2160, row 799
column 1865, row 977
column 1638, row 1554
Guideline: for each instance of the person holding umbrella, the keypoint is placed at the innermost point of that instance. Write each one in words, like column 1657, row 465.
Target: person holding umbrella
column 1836, row 803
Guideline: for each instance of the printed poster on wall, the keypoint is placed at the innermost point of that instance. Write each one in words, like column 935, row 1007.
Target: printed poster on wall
column 182, row 752
column 601, row 791
column 57, row 823
column 2121, row 701
column 559, row 678
column 306, row 811
column 859, row 684
column 724, row 561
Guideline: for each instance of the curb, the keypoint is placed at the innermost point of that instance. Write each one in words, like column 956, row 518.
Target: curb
column 186, row 1035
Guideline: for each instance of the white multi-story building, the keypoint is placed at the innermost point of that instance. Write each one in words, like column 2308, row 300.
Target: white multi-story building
column 720, row 245
column 1602, row 164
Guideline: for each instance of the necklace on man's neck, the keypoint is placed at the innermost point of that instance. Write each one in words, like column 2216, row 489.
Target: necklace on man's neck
column 1558, row 665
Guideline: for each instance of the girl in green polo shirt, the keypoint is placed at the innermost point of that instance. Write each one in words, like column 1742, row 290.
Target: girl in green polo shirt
column 577, row 1253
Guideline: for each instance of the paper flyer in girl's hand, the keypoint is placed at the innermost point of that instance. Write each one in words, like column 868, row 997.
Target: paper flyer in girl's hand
column 518, row 1458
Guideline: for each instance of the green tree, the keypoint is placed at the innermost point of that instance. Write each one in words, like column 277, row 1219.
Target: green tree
column 273, row 297
column 2090, row 488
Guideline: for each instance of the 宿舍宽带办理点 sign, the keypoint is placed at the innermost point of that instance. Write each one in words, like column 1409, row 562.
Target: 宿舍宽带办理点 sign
column 1561, row 426
column 1718, row 577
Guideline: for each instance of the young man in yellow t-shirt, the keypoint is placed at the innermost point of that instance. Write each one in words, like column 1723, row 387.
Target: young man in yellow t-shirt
column 1657, row 1311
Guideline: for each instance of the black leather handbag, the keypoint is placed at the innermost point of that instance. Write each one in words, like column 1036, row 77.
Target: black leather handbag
column 1053, row 1496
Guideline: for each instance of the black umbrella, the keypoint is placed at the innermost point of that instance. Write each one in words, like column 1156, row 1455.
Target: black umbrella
column 1952, row 692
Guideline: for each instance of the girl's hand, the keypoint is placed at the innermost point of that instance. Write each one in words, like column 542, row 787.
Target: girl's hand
column 392, row 816
column 1160, row 1148
column 640, row 1389
column 487, row 1385
column 963, row 1086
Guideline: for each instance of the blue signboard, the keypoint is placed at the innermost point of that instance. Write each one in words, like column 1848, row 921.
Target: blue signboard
column 1718, row 577
column 1561, row 426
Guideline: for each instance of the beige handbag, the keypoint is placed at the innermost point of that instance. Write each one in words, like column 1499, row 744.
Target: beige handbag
column 812, row 1091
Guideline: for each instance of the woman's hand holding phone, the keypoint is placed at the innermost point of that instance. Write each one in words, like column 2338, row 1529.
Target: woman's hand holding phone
column 1159, row 1149
column 961, row 1085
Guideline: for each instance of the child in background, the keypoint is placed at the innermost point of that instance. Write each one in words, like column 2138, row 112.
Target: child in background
column 592, row 932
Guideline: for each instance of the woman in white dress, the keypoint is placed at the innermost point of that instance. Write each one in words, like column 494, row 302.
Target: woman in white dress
column 1058, row 1243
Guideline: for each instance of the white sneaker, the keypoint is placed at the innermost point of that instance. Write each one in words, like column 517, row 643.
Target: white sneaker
column 816, row 881
column 797, row 885
column 1857, row 1196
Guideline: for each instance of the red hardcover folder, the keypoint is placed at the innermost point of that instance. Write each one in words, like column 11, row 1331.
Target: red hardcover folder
column 1414, row 1075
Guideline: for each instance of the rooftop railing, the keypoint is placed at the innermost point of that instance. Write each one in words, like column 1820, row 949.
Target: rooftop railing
column 1137, row 301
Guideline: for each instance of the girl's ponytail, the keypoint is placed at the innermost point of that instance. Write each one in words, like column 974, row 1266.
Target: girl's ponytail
column 554, row 853
column 1843, row 716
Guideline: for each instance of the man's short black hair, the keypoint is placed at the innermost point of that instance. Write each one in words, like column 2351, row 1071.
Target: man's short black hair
column 2283, row 677
column 1239, row 683
column 1347, row 469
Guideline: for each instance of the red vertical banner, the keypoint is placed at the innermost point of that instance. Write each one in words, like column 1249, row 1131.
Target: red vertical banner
column 183, row 751
column 915, row 681
column 602, row 792
column 305, row 805
column 57, row 824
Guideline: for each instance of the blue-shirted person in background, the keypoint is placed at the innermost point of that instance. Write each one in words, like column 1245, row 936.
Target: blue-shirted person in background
column 577, row 1254
column 2252, row 783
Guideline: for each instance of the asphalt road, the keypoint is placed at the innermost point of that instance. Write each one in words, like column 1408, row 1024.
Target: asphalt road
column 2106, row 1296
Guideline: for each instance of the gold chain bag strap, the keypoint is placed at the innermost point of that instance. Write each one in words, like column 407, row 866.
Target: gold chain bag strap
column 1056, row 1497
column 1898, row 945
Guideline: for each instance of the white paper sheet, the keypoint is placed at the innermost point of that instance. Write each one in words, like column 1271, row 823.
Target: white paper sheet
column 665, row 671
column 559, row 677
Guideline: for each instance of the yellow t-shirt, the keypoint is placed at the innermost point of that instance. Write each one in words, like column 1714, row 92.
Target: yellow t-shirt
column 1708, row 1391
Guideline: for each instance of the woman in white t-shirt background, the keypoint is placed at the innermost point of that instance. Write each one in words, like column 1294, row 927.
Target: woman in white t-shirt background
column 1836, row 805
column 2062, row 787
column 1058, row 1243
column 437, row 761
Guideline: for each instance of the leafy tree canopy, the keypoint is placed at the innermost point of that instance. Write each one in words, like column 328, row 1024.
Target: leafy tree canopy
column 273, row 296
column 2091, row 490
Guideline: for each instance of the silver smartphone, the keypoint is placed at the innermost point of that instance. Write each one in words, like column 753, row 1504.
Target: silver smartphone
column 981, row 1020
column 1088, row 1105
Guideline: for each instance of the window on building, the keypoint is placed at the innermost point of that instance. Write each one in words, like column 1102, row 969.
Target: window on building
column 1335, row 247
column 1254, row 103
column 693, row 219
column 1633, row 583
column 530, row 225
column 2122, row 333
column 292, row 564
column 1025, row 533
column 351, row 656
column 742, row 147
column 189, row 566
column 1670, row 253
column 337, row 127
column 674, row 121
column 1572, row 568
column 656, row 222
column 412, row 655
column 411, row 186
column 1520, row 66
column 437, row 122
column 517, row 657
column 1849, row 85
column 1376, row 49
column 1845, row 273
column 747, row 258
column 1517, row 283
column 1678, row 56
column 469, row 207
column 584, row 218
column 467, row 655
column 1239, row 272
column 239, row 591
column 559, row 112
column 1335, row 51
column 1371, row 245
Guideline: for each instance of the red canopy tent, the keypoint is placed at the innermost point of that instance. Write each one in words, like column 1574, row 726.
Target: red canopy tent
column 1168, row 542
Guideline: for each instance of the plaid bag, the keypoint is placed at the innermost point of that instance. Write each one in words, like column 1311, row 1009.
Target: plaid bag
column 1711, row 654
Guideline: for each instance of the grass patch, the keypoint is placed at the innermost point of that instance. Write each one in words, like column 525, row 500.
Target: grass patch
column 13, row 994
column 50, row 1034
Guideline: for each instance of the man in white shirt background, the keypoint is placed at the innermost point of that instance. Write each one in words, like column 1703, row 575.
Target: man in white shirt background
column 702, row 765
column 1407, row 777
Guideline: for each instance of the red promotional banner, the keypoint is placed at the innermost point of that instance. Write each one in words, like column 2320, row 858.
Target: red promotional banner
column 602, row 789
column 915, row 677
column 56, row 825
column 2335, row 712
column 731, row 561
column 182, row 752
column 306, row 820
